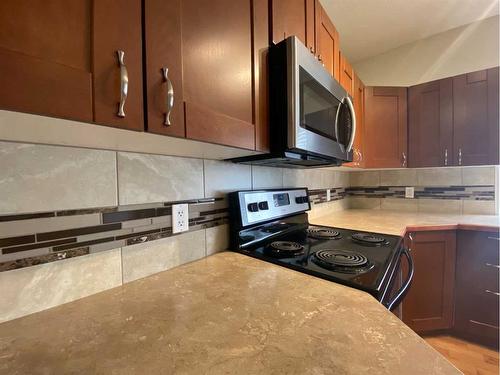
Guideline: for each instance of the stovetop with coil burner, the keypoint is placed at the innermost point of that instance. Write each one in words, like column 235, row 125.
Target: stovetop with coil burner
column 358, row 259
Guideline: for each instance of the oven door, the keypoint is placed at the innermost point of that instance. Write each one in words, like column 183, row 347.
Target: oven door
column 321, row 118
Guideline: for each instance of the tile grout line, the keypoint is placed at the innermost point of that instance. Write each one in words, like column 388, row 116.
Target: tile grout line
column 117, row 204
column 204, row 195
column 206, row 243
column 117, row 180
column 121, row 263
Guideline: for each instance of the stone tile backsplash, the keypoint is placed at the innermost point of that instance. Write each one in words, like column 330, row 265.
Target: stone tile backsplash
column 455, row 190
column 72, row 214
column 43, row 178
column 78, row 221
column 146, row 178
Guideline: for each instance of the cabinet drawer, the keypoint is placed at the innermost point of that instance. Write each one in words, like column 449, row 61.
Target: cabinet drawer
column 482, row 246
column 484, row 306
column 488, row 278
column 477, row 288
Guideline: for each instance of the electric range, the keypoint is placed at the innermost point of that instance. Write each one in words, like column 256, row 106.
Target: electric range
column 272, row 225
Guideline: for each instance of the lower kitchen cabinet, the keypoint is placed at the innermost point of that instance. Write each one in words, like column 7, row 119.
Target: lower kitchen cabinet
column 477, row 286
column 428, row 306
column 385, row 135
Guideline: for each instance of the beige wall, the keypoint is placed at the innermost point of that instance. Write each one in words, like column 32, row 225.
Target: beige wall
column 461, row 50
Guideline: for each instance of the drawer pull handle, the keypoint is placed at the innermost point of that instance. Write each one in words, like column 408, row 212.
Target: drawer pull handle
column 170, row 96
column 495, row 293
column 482, row 324
column 123, row 83
column 494, row 238
column 493, row 265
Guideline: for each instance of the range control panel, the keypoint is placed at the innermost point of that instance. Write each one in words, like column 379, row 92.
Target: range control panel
column 262, row 205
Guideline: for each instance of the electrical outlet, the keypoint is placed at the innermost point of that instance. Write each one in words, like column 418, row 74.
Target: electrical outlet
column 328, row 195
column 410, row 192
column 180, row 217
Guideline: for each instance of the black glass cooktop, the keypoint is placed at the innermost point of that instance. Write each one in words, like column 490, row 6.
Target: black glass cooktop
column 359, row 259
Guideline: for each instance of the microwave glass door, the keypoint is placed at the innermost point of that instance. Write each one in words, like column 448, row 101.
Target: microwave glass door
column 319, row 109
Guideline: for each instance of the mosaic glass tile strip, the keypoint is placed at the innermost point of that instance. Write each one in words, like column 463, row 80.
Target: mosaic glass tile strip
column 485, row 192
column 111, row 227
column 33, row 261
column 82, row 231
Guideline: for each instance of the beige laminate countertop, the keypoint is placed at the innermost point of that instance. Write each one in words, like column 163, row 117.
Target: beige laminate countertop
column 225, row 314
column 397, row 222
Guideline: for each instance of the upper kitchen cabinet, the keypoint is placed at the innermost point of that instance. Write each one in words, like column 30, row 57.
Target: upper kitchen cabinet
column 293, row 17
column 327, row 42
column 385, row 134
column 346, row 74
column 206, row 70
column 430, row 124
column 80, row 60
column 359, row 109
column 475, row 117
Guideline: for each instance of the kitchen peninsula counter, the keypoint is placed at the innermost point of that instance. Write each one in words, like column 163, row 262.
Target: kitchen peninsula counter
column 227, row 313
column 399, row 222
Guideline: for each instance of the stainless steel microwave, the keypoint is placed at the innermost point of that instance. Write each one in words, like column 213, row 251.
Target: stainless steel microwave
column 312, row 118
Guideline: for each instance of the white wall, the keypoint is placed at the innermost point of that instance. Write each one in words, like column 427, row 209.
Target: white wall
column 461, row 50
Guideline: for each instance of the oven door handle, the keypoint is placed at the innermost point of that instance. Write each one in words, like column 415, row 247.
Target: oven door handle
column 353, row 118
column 406, row 286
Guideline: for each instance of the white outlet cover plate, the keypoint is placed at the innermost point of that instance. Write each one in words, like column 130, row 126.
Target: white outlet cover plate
column 409, row 192
column 180, row 218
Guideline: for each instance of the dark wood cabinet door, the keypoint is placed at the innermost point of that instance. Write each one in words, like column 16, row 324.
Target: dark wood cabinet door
column 117, row 27
column 385, row 141
column 475, row 118
column 346, row 75
column 218, row 71
column 163, row 50
column 293, row 17
column 215, row 53
column 46, row 58
column 477, row 291
column 59, row 58
column 428, row 305
column 359, row 109
column 430, row 124
column 327, row 42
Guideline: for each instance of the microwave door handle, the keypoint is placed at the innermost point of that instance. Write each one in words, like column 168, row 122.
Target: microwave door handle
column 337, row 123
column 406, row 286
column 353, row 117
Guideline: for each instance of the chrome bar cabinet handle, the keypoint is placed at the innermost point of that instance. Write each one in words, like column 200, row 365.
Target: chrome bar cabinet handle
column 495, row 293
column 404, row 159
column 445, row 156
column 492, row 265
column 123, row 83
column 170, row 96
column 459, row 156
column 494, row 238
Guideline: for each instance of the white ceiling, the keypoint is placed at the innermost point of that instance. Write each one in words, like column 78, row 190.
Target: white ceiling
column 371, row 27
